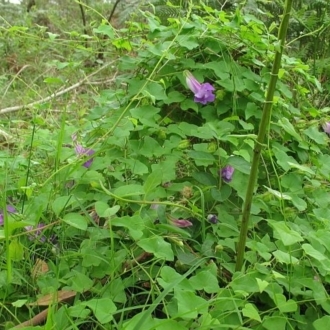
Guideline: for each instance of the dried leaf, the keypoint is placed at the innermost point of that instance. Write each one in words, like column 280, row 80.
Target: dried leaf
column 55, row 297
column 40, row 267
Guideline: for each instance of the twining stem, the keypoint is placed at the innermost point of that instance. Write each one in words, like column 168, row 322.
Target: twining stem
column 264, row 124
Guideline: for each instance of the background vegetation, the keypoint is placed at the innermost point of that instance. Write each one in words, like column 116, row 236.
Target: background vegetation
column 117, row 209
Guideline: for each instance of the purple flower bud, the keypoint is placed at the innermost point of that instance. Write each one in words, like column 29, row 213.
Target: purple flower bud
column 212, row 218
column 182, row 223
column 10, row 209
column 36, row 232
column 203, row 92
column 227, row 173
column 81, row 151
column 326, row 127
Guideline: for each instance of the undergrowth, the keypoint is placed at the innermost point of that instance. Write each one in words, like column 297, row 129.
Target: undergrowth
column 122, row 195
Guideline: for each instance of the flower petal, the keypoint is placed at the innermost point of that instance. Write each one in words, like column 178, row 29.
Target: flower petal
column 182, row 223
column 227, row 173
column 192, row 83
column 326, row 127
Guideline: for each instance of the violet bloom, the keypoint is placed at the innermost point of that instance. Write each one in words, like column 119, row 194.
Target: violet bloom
column 182, row 223
column 326, row 127
column 212, row 218
column 10, row 209
column 81, row 151
column 36, row 232
column 203, row 92
column 227, row 173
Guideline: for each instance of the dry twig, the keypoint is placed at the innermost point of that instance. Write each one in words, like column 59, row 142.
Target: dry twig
column 55, row 94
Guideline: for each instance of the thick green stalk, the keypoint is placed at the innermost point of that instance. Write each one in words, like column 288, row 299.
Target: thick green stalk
column 264, row 124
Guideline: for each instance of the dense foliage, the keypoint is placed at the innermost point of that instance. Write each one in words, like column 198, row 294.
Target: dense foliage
column 125, row 159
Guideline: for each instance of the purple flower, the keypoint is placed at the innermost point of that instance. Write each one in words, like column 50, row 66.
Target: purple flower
column 212, row 218
column 10, row 209
column 81, row 151
column 227, row 173
column 326, row 127
column 182, row 223
column 203, row 92
column 36, row 232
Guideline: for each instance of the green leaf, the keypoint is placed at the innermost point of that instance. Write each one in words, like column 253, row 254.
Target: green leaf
column 252, row 110
column 220, row 129
column 187, row 41
column 60, row 203
column 103, row 309
column 19, row 303
column 146, row 114
column 174, row 97
column 278, row 194
column 168, row 325
column 313, row 133
column 53, row 81
column 309, row 250
column 79, row 282
column 91, row 177
column 299, row 203
column 251, row 312
column 158, row 246
column 129, row 190
column 284, row 233
column 76, row 220
column 134, row 224
column 189, row 305
column 275, row 322
column 239, row 164
column 284, row 306
column 227, row 84
column 168, row 276
column 122, row 43
column 156, row 90
column 188, row 104
column 151, row 148
column 79, row 311
column 206, row 281
column 283, row 159
column 288, row 127
column 220, row 68
column 262, row 284
column 222, row 194
column 104, row 211
column 201, row 158
column 302, row 168
column 322, row 323
column 153, row 180
column 105, row 29
column 100, row 208
column 286, row 258
column 137, row 319
column 16, row 250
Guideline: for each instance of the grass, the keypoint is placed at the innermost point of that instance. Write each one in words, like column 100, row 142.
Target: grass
column 101, row 247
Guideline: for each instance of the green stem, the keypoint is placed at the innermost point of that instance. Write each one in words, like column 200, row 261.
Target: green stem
column 141, row 202
column 264, row 124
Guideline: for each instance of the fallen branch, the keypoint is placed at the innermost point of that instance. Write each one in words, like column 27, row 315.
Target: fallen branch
column 55, row 94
